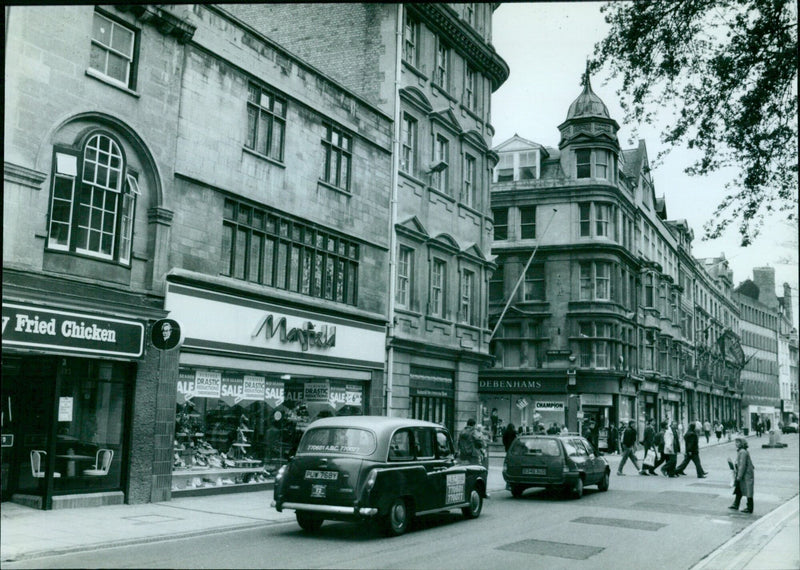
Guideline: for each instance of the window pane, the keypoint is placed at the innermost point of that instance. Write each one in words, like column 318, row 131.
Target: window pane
column 227, row 243
column 269, row 256
column 283, row 253
column 122, row 40
column 241, row 254
column 117, row 67
column 294, row 269
column 256, row 243
column 277, row 141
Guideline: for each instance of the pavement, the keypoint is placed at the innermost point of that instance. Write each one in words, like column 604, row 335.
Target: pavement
column 771, row 542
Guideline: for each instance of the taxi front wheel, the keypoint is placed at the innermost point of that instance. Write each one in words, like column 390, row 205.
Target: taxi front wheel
column 396, row 520
column 473, row 511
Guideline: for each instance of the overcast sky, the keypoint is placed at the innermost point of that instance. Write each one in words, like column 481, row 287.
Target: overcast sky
column 546, row 46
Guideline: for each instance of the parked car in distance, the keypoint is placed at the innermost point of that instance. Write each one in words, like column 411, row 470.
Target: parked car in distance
column 790, row 428
column 376, row 469
column 567, row 462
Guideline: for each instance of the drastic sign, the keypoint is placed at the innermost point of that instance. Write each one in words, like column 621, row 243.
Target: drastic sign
column 38, row 328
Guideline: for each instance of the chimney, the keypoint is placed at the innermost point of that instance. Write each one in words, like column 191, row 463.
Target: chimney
column 764, row 278
column 787, row 302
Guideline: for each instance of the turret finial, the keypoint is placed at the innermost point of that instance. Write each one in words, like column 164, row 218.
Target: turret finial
column 585, row 78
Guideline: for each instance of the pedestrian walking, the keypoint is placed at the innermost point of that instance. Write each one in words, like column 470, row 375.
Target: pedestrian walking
column 718, row 430
column 494, row 421
column 509, row 435
column 691, row 453
column 759, row 427
column 707, row 429
column 660, row 441
column 744, row 477
column 613, row 434
column 628, row 448
column 672, row 446
column 483, row 449
column 469, row 444
column 648, row 442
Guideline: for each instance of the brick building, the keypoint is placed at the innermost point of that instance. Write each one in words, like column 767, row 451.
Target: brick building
column 432, row 68
column 175, row 161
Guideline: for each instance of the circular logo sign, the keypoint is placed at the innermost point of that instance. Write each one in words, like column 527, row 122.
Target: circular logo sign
column 166, row 334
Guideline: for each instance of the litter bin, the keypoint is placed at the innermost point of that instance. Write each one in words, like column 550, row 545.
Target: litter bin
column 746, row 431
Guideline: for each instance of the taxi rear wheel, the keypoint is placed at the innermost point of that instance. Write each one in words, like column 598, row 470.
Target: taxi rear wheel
column 396, row 520
column 309, row 523
column 577, row 489
column 603, row 484
column 475, row 507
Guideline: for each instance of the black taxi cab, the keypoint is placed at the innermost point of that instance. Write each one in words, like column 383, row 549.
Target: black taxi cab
column 376, row 469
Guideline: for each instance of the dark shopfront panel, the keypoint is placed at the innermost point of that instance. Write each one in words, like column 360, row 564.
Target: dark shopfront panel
column 62, row 414
column 236, row 428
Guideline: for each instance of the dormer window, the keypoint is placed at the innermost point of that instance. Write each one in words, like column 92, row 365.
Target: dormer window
column 514, row 166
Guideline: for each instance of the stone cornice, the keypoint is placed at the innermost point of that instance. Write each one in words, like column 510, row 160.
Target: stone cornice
column 23, row 176
column 165, row 22
column 442, row 18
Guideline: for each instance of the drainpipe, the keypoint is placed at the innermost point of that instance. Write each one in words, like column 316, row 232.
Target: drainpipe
column 393, row 210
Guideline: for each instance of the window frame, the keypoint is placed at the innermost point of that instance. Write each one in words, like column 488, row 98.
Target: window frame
column 408, row 144
column 467, row 297
column 469, row 194
column 496, row 225
column 405, row 276
column 441, row 64
column 440, row 180
column 437, row 291
column 583, row 168
column 410, row 38
column 131, row 58
column 527, row 227
column 333, row 149
column 72, row 166
column 255, row 98
column 535, row 283
column 470, row 88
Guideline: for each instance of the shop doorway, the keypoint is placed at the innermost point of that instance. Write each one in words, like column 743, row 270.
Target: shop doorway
column 27, row 399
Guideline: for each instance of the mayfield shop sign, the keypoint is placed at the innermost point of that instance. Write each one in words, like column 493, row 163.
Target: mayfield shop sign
column 227, row 322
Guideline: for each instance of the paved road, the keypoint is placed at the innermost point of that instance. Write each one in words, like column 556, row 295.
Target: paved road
column 639, row 522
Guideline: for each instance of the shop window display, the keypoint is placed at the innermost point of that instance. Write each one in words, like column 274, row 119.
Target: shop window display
column 236, row 428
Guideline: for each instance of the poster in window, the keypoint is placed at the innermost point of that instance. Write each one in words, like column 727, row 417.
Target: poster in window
column 208, row 384
column 273, row 393
column 65, row 409
column 316, row 391
column 253, row 387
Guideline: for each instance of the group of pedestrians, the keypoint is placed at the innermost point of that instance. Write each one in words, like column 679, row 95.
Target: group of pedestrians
column 662, row 448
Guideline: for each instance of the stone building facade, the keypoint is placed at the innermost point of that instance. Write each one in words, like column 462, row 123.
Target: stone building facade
column 176, row 162
column 594, row 304
column 432, row 68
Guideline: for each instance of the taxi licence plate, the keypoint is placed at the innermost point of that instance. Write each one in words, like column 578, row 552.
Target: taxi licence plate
column 324, row 475
column 534, row 471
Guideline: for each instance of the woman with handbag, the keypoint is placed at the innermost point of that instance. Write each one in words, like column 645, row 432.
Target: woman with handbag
column 744, row 477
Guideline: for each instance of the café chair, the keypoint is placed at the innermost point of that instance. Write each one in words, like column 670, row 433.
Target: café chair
column 101, row 464
column 36, row 464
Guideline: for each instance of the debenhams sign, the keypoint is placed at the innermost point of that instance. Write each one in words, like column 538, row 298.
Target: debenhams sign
column 38, row 328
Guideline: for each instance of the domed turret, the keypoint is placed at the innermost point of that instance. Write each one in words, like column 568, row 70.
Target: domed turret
column 588, row 104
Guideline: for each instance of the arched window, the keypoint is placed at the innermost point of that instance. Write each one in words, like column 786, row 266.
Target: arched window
column 93, row 201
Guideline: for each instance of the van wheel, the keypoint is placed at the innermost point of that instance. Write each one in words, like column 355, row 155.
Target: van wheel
column 603, row 484
column 473, row 511
column 396, row 520
column 309, row 523
column 517, row 490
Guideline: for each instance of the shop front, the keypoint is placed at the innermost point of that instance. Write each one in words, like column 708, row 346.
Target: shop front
column 67, row 395
column 253, row 375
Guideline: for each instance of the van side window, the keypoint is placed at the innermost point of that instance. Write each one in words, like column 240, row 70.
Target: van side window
column 400, row 446
column 423, row 443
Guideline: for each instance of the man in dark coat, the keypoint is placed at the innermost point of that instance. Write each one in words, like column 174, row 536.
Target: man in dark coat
column 692, row 453
column 509, row 435
column 628, row 448
column 648, row 441
column 659, row 443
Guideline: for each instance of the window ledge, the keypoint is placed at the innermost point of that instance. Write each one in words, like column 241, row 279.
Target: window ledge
column 103, row 79
column 444, row 92
column 472, row 113
column 471, row 209
column 415, row 70
column 334, row 188
column 468, row 326
column 412, row 178
column 410, row 312
column 436, row 319
column 442, row 194
column 263, row 157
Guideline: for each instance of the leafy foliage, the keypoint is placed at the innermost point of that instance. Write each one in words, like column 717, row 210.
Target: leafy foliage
column 728, row 70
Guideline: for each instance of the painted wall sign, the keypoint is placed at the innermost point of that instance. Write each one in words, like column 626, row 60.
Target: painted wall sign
column 244, row 325
column 26, row 326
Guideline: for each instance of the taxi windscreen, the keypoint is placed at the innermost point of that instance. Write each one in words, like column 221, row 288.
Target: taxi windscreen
column 350, row 441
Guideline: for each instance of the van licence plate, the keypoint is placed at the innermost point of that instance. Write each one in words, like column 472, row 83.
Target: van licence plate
column 324, row 475
column 534, row 471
